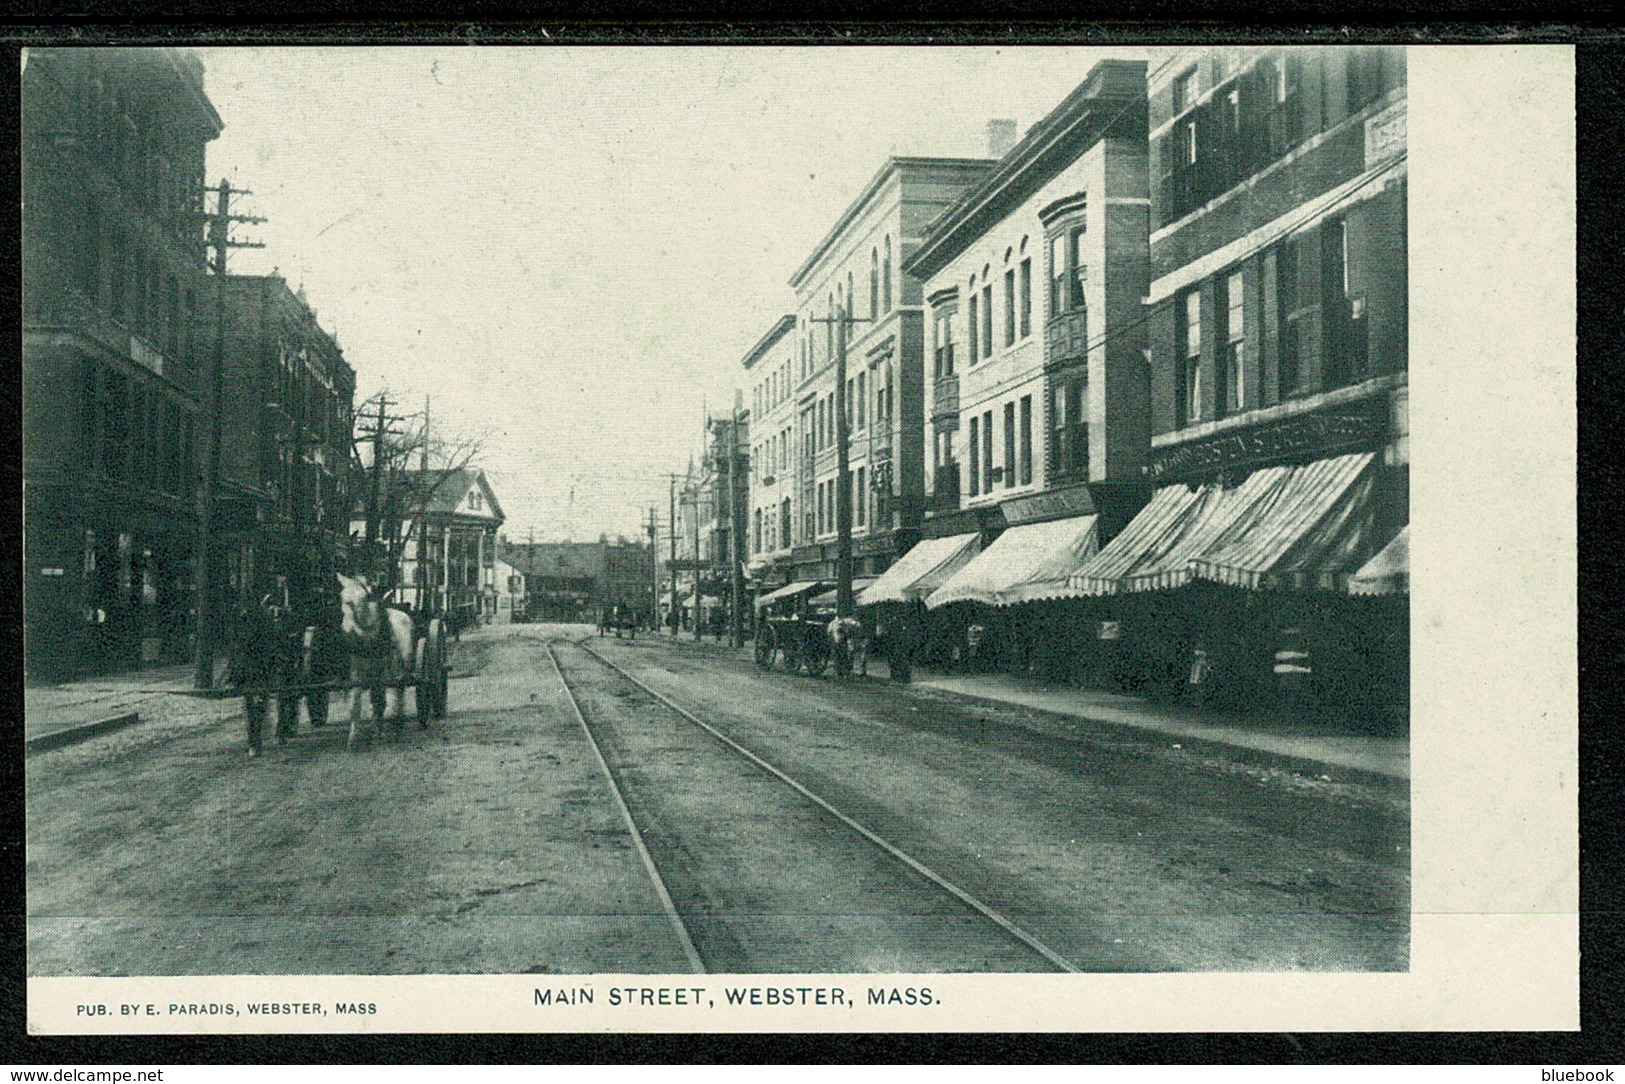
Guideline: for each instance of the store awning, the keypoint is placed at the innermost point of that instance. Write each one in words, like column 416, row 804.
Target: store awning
column 859, row 585
column 1311, row 528
column 1149, row 536
column 1025, row 554
column 790, row 591
column 922, row 569
column 1389, row 572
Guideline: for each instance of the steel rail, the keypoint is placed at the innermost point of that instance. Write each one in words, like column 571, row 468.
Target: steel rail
column 693, row 954
column 906, row 859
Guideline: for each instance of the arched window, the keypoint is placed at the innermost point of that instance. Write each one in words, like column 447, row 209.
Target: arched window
column 885, row 279
column 874, row 282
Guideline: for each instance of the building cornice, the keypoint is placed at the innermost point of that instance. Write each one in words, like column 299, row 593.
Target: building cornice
column 779, row 330
column 876, row 183
column 1110, row 102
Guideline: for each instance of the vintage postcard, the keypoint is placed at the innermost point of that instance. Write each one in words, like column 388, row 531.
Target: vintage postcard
column 763, row 539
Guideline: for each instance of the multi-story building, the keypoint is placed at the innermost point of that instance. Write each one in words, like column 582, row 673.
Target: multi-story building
column 853, row 293
column 713, row 509
column 1035, row 383
column 287, row 400
column 771, row 368
column 113, row 144
column 1277, row 335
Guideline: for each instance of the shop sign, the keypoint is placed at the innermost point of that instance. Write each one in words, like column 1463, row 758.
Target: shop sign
column 1055, row 504
column 1337, row 430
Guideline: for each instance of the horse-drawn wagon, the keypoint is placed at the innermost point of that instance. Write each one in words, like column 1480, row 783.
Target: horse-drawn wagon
column 275, row 660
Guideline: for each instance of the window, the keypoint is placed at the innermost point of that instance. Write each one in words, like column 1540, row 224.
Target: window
column 874, row 281
column 987, row 451
column 858, row 500
column 885, row 279
column 1286, row 299
column 1009, row 307
column 757, row 536
column 1077, row 431
column 943, row 363
column 1234, row 379
column 1365, row 81
column 971, row 324
column 1068, row 270
column 1343, row 315
column 1009, row 445
column 975, row 474
column 862, row 399
column 1026, row 440
column 785, row 522
column 1188, row 318
column 1026, row 297
column 1076, row 265
column 1184, row 91
column 987, row 319
column 1058, row 430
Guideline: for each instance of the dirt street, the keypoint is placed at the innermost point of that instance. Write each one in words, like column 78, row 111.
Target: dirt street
column 490, row 842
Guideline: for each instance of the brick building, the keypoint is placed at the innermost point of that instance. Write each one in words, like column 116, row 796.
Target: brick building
column 1036, row 394
column 113, row 144
column 857, row 271
column 1277, row 336
column 770, row 368
column 286, row 416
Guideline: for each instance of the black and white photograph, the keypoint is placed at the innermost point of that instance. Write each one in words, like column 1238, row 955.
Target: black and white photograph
column 876, row 515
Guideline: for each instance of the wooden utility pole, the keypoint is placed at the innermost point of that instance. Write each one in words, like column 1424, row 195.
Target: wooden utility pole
column 671, row 498
column 843, row 455
column 735, row 522
column 217, row 238
column 654, row 567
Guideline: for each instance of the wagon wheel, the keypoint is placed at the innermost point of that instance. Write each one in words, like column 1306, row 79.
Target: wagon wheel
column 316, row 699
column 764, row 647
column 437, row 636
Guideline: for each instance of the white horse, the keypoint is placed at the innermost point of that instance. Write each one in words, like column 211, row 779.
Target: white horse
column 851, row 635
column 379, row 640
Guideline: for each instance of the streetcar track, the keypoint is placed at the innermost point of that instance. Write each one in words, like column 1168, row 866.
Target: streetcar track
column 1009, row 927
column 678, row 926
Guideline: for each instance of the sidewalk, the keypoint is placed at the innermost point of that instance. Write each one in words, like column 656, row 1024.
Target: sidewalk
column 58, row 714
column 1302, row 741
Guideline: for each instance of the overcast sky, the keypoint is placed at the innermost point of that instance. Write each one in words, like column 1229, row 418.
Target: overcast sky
column 571, row 249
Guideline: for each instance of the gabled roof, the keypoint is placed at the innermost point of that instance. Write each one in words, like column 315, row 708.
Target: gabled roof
column 447, row 489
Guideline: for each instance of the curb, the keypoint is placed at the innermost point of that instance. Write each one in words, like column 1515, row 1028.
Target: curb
column 1157, row 734
column 69, row 735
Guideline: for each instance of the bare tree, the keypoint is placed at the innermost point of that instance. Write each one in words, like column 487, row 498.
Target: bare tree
column 407, row 466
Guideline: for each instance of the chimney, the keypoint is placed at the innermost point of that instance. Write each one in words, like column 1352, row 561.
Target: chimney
column 1001, row 136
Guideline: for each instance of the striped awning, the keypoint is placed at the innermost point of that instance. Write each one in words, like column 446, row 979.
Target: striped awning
column 1147, row 538
column 922, row 569
column 1389, row 572
column 859, row 585
column 1023, row 556
column 789, row 591
column 1309, row 527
